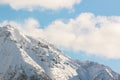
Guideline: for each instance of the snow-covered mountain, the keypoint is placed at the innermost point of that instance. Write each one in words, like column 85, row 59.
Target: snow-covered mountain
column 25, row 58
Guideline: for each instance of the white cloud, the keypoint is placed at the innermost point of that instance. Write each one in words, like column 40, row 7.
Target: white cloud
column 97, row 35
column 46, row 4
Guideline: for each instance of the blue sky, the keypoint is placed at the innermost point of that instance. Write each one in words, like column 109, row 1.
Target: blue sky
column 45, row 17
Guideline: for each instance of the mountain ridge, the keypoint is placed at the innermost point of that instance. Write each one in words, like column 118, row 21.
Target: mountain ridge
column 25, row 58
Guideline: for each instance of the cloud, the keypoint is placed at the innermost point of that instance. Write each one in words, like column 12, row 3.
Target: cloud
column 97, row 35
column 45, row 4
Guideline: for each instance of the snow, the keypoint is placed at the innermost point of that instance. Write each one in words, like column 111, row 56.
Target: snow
column 109, row 72
column 24, row 55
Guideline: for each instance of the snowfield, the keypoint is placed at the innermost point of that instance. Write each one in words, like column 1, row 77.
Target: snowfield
column 25, row 58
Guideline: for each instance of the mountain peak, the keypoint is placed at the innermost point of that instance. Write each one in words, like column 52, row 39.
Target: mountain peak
column 7, row 27
column 12, row 33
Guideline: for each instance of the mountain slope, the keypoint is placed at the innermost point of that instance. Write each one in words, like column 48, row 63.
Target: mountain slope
column 25, row 58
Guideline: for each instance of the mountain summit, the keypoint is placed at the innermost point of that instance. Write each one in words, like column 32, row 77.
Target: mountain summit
column 25, row 58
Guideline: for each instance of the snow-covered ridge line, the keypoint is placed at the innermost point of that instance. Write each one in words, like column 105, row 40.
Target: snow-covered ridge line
column 25, row 58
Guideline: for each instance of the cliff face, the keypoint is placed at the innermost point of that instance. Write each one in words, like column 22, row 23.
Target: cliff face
column 25, row 58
